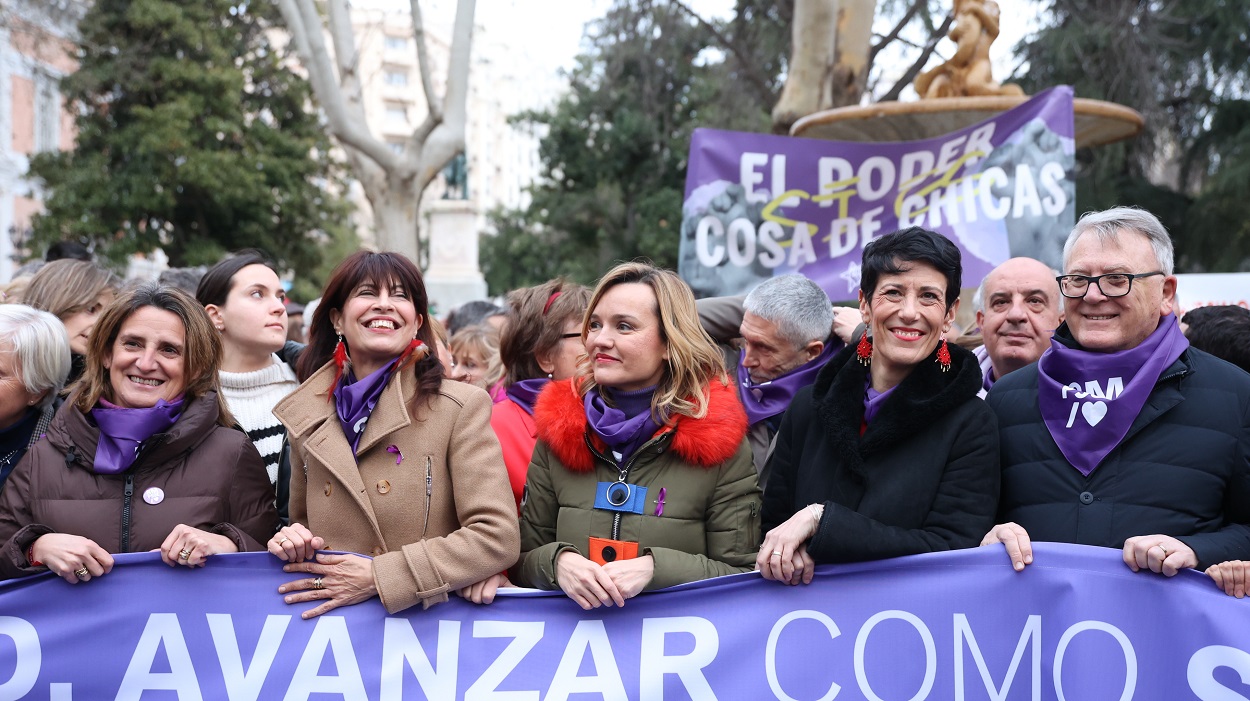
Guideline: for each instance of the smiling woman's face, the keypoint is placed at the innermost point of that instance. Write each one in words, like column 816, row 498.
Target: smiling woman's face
column 147, row 363
column 907, row 314
column 377, row 322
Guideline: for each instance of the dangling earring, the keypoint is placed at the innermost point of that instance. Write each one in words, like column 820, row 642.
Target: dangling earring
column 415, row 351
column 863, row 350
column 944, row 356
column 341, row 361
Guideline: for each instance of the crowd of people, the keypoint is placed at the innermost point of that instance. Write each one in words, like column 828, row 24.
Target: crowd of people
column 612, row 441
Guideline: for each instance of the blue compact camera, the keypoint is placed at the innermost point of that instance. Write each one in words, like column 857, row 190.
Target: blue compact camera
column 620, row 496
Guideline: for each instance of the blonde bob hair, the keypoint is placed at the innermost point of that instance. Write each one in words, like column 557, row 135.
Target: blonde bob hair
column 693, row 358
column 201, row 355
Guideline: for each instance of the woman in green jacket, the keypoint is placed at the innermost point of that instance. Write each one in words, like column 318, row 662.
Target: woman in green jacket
column 642, row 477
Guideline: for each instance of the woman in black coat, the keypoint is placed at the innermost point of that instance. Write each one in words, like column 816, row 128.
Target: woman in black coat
column 890, row 452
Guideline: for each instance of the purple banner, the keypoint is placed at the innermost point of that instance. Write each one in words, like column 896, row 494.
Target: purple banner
column 759, row 205
column 1075, row 625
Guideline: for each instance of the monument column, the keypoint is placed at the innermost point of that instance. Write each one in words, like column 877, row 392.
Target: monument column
column 453, row 276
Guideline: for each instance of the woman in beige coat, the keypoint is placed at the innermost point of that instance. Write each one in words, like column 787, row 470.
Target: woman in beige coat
column 387, row 459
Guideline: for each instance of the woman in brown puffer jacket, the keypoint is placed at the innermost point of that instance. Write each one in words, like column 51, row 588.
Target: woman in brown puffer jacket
column 142, row 457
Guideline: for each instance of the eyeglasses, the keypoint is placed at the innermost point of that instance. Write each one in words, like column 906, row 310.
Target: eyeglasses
column 1110, row 285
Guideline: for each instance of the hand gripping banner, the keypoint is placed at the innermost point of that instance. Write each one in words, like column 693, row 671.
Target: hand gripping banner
column 1075, row 625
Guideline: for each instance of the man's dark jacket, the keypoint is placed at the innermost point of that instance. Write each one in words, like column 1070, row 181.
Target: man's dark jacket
column 1182, row 470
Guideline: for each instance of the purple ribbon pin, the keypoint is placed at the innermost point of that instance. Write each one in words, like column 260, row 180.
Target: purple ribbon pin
column 659, row 502
column 394, row 450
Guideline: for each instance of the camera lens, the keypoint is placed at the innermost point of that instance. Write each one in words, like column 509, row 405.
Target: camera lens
column 618, row 494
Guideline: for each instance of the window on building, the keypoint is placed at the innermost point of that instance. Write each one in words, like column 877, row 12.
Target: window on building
column 396, row 44
column 396, row 147
column 396, row 113
column 47, row 113
column 395, row 77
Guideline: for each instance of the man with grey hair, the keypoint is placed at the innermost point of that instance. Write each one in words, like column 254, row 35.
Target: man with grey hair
column 1018, row 310
column 1122, row 435
column 785, row 333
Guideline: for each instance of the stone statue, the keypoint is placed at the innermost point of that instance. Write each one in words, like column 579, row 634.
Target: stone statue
column 967, row 73
column 456, row 175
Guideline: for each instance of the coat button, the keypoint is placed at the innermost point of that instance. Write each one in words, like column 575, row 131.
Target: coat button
column 383, row 487
column 327, row 489
column 1087, row 498
column 378, row 551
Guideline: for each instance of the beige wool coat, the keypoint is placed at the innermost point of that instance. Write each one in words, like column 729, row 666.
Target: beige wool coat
column 438, row 519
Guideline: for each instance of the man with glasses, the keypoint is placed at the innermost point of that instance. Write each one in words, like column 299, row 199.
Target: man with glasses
column 1122, row 435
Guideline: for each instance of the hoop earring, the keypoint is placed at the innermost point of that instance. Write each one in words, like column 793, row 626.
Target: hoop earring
column 863, row 350
column 944, row 356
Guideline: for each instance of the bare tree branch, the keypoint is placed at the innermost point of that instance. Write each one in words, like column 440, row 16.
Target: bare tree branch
column 915, row 68
column 423, row 62
column 757, row 80
column 885, row 41
column 305, row 26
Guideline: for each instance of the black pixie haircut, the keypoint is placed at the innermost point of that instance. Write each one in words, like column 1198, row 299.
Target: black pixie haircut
column 891, row 253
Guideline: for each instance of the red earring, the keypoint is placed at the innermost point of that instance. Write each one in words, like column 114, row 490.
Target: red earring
column 415, row 351
column 863, row 350
column 944, row 356
column 341, row 360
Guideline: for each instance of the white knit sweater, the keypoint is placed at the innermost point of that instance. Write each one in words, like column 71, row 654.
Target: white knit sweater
column 251, row 397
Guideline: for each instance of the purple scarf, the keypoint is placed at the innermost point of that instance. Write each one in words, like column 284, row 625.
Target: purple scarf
column 354, row 401
column 525, row 393
column 873, row 400
column 123, row 431
column 1090, row 400
column 768, row 399
column 626, row 429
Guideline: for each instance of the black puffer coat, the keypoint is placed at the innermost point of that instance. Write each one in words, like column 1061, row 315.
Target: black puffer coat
column 922, row 478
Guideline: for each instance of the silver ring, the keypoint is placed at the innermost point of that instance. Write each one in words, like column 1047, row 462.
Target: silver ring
column 776, row 553
column 284, row 540
column 82, row 573
column 318, row 584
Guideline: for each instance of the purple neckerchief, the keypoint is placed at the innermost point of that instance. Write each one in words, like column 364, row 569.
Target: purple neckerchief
column 873, row 400
column 768, row 399
column 987, row 369
column 1089, row 400
column 354, row 400
column 525, row 393
column 626, row 429
column 123, row 431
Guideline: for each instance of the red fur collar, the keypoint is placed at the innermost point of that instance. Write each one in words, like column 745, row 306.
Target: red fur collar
column 561, row 418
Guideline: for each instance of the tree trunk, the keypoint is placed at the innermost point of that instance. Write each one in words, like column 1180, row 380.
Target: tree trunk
column 829, row 58
column 393, row 183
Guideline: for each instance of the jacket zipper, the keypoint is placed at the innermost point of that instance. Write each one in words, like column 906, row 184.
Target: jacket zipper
column 429, row 492
column 127, row 495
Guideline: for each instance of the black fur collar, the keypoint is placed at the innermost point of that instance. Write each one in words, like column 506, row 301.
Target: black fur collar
column 838, row 396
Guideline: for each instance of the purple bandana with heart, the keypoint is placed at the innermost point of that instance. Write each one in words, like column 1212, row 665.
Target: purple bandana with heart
column 354, row 400
column 1089, row 400
column 768, row 399
column 123, row 431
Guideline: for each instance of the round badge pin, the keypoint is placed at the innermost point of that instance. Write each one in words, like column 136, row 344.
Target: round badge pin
column 154, row 495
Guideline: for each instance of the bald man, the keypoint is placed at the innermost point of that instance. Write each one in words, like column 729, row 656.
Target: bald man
column 1018, row 311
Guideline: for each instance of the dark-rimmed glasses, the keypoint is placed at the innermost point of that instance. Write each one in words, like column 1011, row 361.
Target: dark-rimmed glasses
column 1110, row 284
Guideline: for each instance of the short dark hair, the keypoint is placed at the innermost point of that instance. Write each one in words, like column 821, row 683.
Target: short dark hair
column 67, row 249
column 890, row 253
column 1222, row 331
column 472, row 314
column 215, row 285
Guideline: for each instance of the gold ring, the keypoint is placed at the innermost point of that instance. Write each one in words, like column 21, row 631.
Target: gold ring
column 1165, row 550
column 776, row 553
column 82, row 573
column 284, row 540
column 317, row 584
column 184, row 554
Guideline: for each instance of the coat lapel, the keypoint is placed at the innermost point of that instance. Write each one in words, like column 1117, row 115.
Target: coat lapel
column 391, row 413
